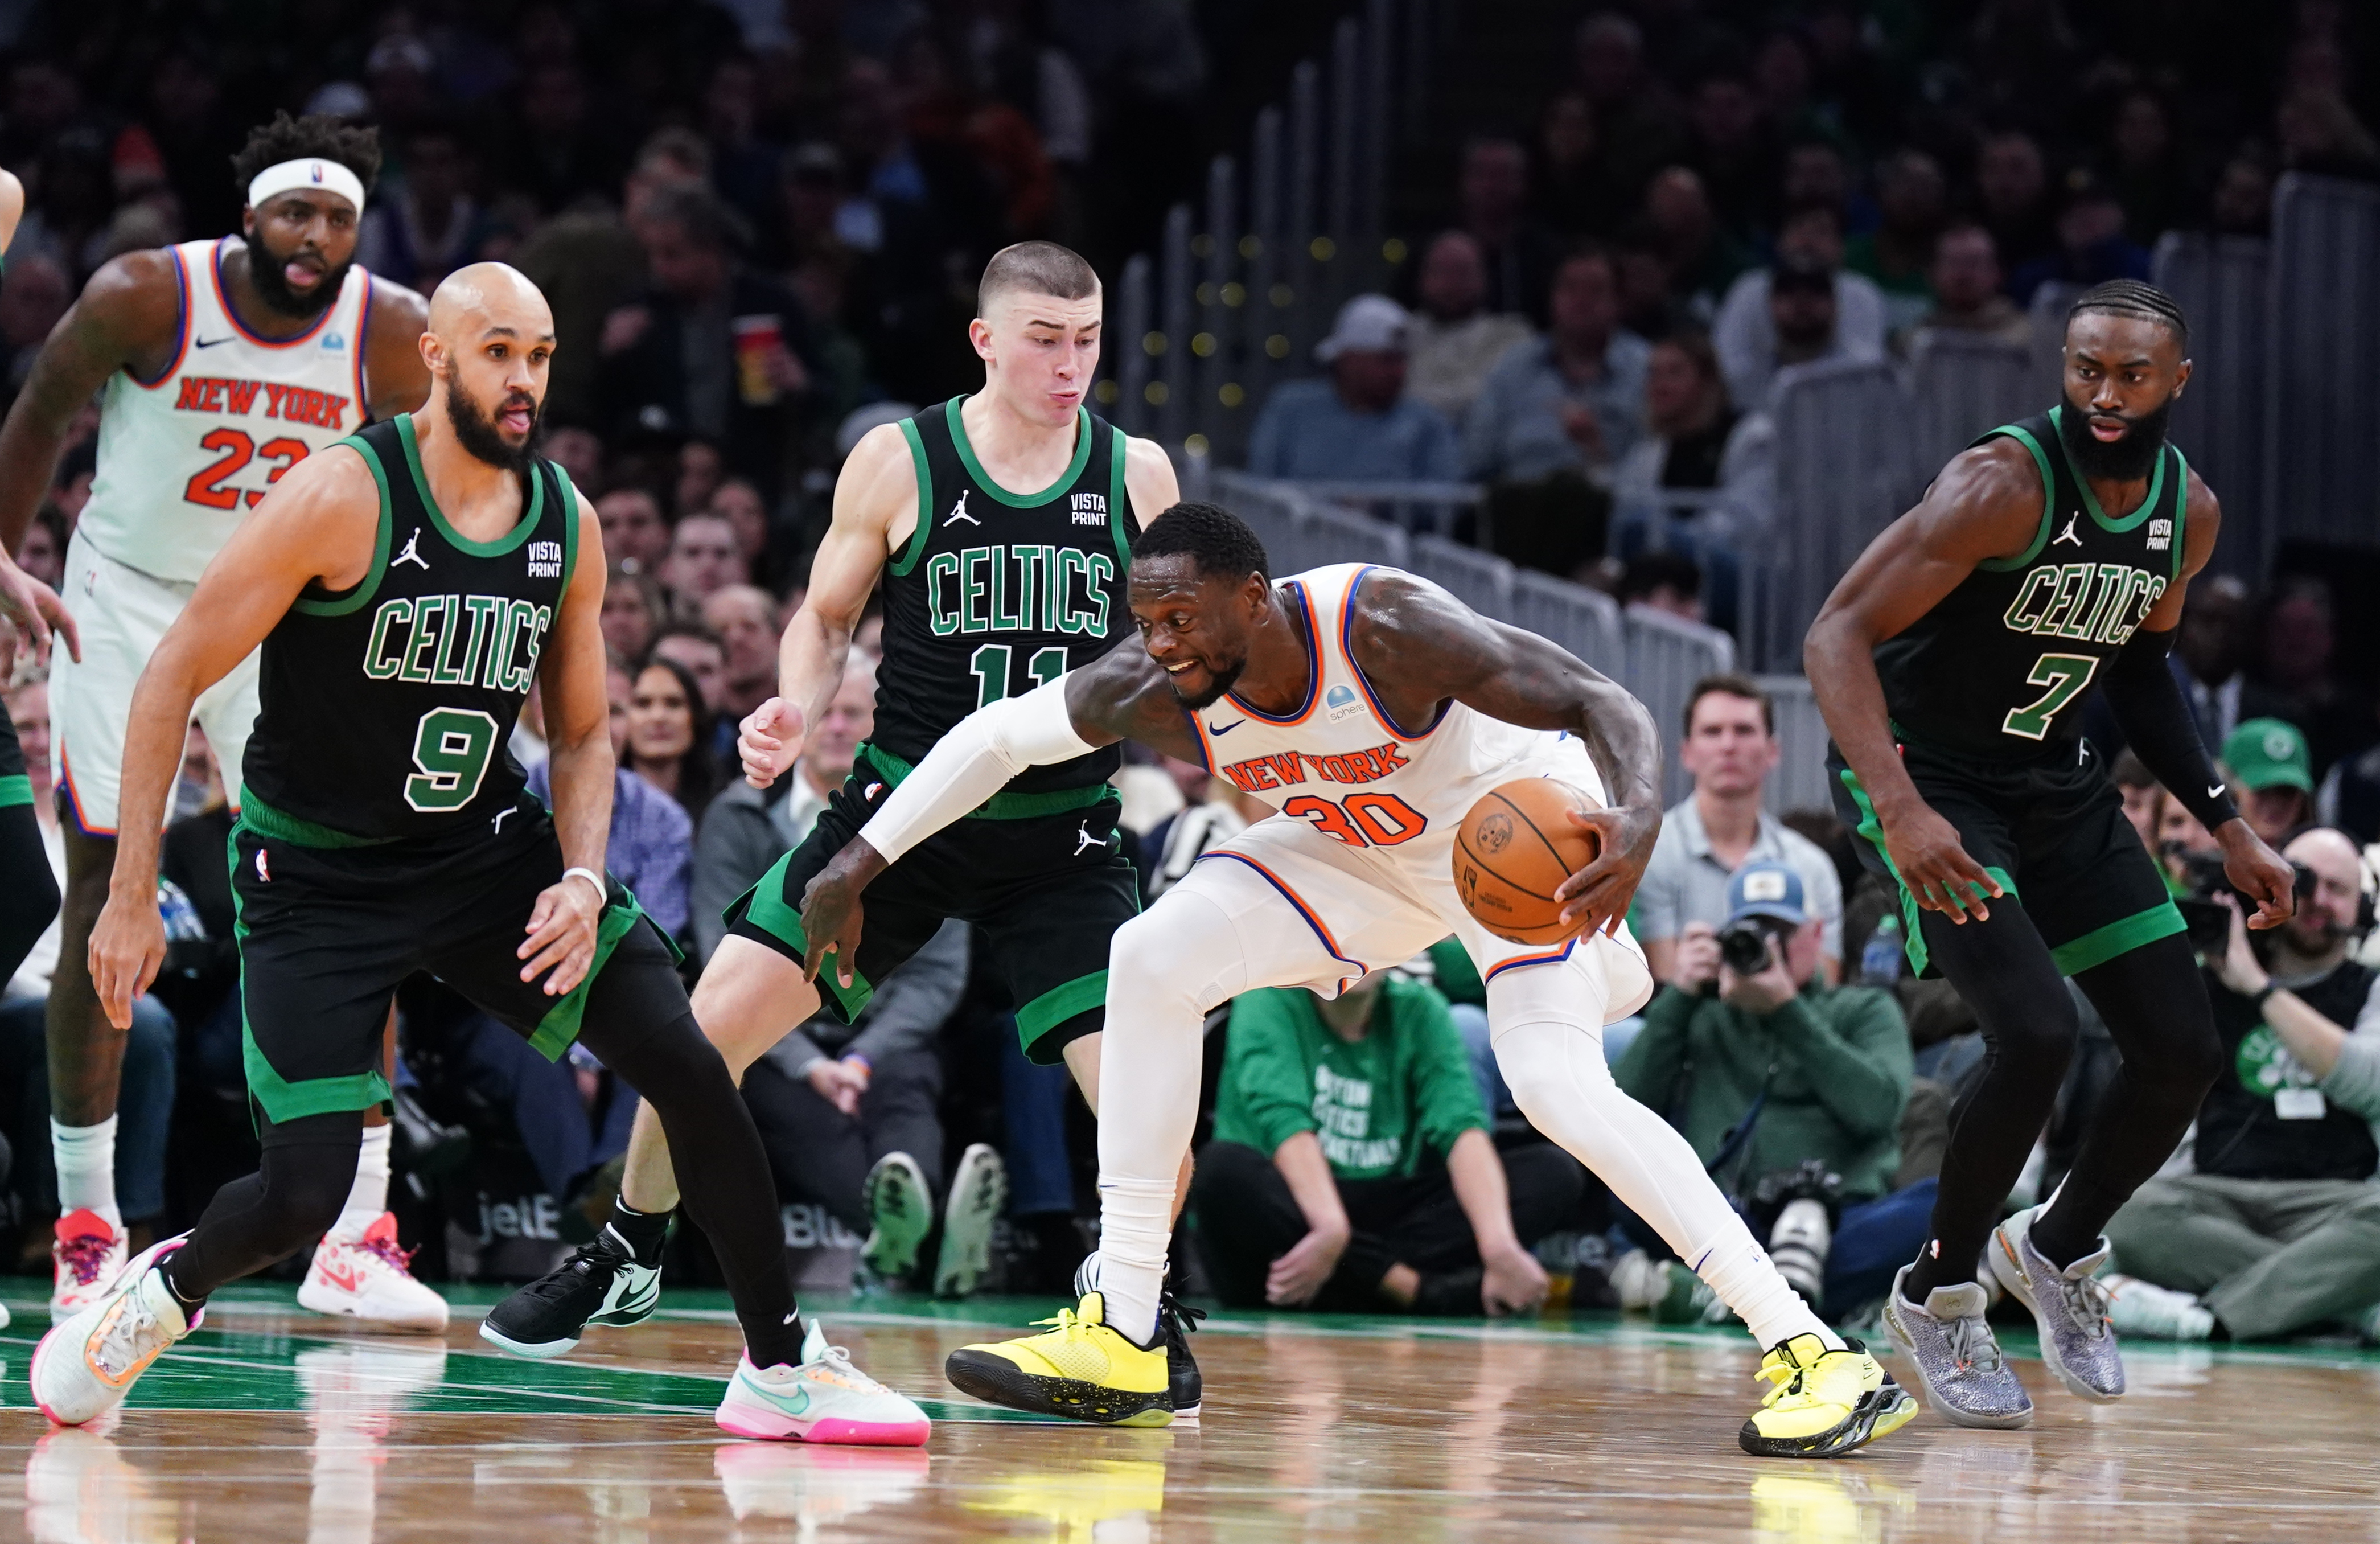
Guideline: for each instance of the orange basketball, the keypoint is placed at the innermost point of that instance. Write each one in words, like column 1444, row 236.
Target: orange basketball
column 1514, row 850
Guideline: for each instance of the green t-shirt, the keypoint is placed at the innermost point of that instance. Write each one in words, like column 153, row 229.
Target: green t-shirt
column 1377, row 1104
column 1458, row 977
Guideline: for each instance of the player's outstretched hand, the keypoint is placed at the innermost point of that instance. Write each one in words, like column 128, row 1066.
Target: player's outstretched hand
column 1926, row 854
column 1598, row 895
column 769, row 740
column 128, row 946
column 561, row 936
column 2259, row 873
column 36, row 609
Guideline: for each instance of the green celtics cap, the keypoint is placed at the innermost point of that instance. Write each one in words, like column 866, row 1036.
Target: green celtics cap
column 2269, row 753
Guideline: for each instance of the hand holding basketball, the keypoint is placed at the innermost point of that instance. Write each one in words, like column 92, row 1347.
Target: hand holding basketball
column 1537, row 862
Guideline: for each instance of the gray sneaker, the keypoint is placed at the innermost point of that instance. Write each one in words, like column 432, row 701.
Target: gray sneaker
column 2077, row 1340
column 1966, row 1378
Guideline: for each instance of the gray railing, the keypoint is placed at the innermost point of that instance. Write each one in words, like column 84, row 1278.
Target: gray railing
column 2321, row 389
column 2224, row 285
column 1800, row 781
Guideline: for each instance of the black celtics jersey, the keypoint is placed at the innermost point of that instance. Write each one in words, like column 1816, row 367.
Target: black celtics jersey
column 1997, row 667
column 386, row 709
column 1000, row 592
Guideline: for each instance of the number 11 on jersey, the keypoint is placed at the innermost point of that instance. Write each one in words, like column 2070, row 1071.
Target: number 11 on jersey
column 990, row 665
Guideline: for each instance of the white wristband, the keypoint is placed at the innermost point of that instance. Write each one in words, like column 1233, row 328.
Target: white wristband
column 602, row 891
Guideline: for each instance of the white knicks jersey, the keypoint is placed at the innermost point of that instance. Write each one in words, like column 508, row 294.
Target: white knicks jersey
column 1339, row 763
column 184, row 455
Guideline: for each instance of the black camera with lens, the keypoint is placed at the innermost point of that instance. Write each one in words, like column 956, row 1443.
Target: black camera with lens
column 1744, row 943
column 2206, row 919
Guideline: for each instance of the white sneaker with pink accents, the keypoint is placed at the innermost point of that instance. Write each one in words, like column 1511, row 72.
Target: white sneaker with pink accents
column 88, row 1255
column 369, row 1279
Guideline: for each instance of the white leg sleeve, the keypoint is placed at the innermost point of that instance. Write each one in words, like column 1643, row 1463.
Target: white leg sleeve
column 1547, row 1021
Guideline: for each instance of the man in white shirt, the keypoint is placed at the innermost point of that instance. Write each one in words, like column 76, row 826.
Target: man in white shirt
column 1454, row 341
column 1751, row 344
column 1731, row 748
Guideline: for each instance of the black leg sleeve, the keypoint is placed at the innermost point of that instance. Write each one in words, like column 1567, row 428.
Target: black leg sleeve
column 2154, row 1000
column 2003, row 970
column 722, row 1168
column 30, row 899
column 1248, row 1218
column 302, row 1180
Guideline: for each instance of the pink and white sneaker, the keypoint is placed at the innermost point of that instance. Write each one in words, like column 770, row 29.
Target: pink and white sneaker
column 88, row 1254
column 370, row 1279
column 825, row 1399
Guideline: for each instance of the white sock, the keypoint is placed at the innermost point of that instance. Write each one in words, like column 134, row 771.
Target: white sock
column 86, row 1163
column 369, row 1198
column 1547, row 1021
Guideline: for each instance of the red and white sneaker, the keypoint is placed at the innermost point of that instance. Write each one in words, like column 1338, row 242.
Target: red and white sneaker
column 88, row 1255
column 370, row 1280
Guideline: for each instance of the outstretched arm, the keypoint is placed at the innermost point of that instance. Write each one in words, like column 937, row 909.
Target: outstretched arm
column 1431, row 645
column 1986, row 504
column 317, row 522
column 1122, row 695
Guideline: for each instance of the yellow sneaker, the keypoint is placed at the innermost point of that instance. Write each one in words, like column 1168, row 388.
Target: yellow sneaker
column 1823, row 1404
column 1080, row 1369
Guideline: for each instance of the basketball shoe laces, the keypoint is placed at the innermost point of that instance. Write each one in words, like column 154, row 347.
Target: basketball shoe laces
column 558, row 1284
column 1971, row 1343
column 388, row 1251
column 83, row 1255
column 2085, row 1303
column 128, row 1340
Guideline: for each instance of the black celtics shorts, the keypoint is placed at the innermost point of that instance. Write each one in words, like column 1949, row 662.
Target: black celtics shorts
column 15, row 787
column 327, row 931
column 1048, row 890
column 2051, row 831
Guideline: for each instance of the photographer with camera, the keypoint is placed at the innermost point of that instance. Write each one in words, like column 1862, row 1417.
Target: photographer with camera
column 1789, row 1090
column 2279, row 1227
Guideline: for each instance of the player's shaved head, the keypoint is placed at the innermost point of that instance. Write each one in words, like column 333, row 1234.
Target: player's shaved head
column 489, row 297
column 1036, row 268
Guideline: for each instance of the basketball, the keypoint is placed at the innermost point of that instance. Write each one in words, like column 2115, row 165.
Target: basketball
column 1512, row 852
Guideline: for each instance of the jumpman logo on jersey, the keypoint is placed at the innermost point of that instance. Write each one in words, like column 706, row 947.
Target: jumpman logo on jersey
column 958, row 511
column 409, row 554
column 1084, row 842
column 2068, row 534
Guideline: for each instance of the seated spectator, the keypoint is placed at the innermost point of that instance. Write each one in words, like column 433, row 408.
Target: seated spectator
column 2092, row 246
column 652, row 845
column 634, row 535
column 1699, row 442
column 2268, row 762
column 743, row 618
column 698, row 474
column 704, row 558
column 765, row 561
column 745, row 830
column 1579, row 185
column 1801, row 308
column 1791, row 1091
column 1492, row 207
column 669, row 735
column 2278, row 1230
column 697, row 649
column 1670, row 583
column 2295, row 674
column 1571, row 402
column 2012, row 194
column 1453, row 341
column 1359, row 426
column 1352, row 1168
column 1731, row 748
column 2210, row 656
column 578, row 451
column 634, row 610
column 144, row 1101
column 1702, row 259
column 1967, row 299
column 1898, row 254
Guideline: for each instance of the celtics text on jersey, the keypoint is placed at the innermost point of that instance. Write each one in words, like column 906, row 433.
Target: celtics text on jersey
column 387, row 708
column 997, row 592
column 1997, row 666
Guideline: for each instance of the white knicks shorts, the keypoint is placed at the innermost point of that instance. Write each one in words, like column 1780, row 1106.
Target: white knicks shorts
column 122, row 615
column 1355, row 912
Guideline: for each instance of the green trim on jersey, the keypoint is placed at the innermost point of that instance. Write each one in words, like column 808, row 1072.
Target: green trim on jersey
column 925, row 531
column 2120, row 937
column 339, row 605
column 15, row 790
column 267, row 821
column 1871, row 829
column 2049, row 500
column 1058, row 1005
column 2180, row 509
column 983, row 480
column 1003, row 806
column 570, row 533
column 281, row 1099
column 764, row 906
column 496, row 548
column 1120, row 519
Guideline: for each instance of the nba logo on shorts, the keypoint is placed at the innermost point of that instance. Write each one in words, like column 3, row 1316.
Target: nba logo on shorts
column 1340, row 700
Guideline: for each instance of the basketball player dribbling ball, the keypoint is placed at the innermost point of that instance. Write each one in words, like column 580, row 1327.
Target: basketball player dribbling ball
column 219, row 365
column 999, row 526
column 1373, row 710
column 397, row 834
column 1951, row 662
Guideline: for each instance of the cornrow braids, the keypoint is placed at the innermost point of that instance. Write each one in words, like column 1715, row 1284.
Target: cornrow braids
column 2132, row 297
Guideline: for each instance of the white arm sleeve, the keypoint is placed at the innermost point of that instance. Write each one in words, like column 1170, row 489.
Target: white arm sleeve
column 972, row 762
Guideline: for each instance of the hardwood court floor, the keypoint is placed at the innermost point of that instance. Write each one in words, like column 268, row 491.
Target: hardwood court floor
column 272, row 1425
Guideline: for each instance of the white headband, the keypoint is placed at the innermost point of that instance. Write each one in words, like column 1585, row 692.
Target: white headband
column 327, row 176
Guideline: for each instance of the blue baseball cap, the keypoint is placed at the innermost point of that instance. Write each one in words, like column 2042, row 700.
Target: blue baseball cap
column 1767, row 889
